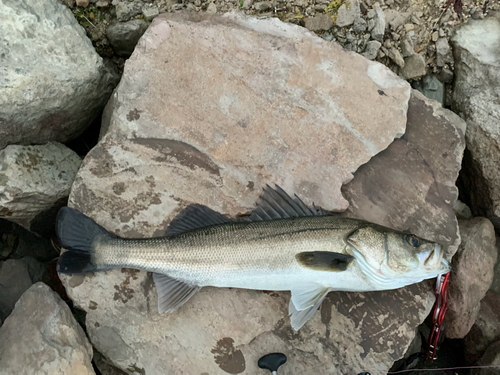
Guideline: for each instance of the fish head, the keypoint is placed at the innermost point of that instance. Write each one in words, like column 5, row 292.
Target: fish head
column 393, row 259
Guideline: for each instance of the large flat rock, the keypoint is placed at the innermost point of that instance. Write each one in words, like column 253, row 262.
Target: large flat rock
column 173, row 138
column 253, row 101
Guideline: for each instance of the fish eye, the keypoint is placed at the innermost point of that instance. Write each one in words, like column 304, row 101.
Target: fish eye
column 413, row 241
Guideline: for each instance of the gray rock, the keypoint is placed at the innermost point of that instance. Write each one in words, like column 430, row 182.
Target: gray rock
column 126, row 10
column 462, row 210
column 443, row 52
column 42, row 336
column 490, row 358
column 475, row 97
column 360, row 25
column 378, row 30
column 33, row 179
column 486, row 329
column 321, row 22
column 123, row 36
column 407, row 47
column 431, row 87
column 371, row 50
column 445, row 75
column 396, row 57
column 212, row 8
column 346, row 16
column 414, row 67
column 51, row 71
column 150, row 12
column 471, row 275
column 219, row 151
column 262, row 6
column 16, row 276
column 247, row 4
column 394, row 19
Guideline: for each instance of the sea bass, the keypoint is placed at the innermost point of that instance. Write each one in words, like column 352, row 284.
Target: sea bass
column 284, row 245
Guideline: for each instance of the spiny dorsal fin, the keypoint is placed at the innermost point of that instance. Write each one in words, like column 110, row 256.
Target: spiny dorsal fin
column 195, row 216
column 277, row 204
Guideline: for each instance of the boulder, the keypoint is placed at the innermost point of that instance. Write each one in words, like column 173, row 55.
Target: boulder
column 53, row 84
column 16, row 276
column 486, row 329
column 475, row 97
column 41, row 336
column 216, row 137
column 471, row 275
column 33, row 179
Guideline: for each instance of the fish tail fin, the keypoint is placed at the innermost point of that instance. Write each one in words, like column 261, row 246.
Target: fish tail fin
column 77, row 233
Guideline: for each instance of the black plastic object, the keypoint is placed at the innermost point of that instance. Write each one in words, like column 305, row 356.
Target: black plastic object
column 364, row 373
column 272, row 361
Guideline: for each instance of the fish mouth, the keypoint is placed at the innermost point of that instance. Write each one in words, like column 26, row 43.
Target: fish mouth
column 433, row 259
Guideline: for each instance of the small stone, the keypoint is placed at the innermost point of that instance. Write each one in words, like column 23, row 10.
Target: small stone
column 247, row 4
column 443, row 52
column 322, row 22
column 372, row 49
column 150, row 12
column 380, row 54
column 82, row 3
column 414, row 67
column 395, row 19
column 379, row 28
column 445, row 76
column 125, row 10
column 370, row 14
column 360, row 25
column 441, row 33
column 262, row 6
column 302, row 3
column 415, row 20
column 462, row 210
column 212, row 8
column 431, row 87
column 102, row 3
column 435, row 36
column 388, row 43
column 346, row 16
column 123, row 36
column 395, row 36
column 395, row 56
column 406, row 48
column 409, row 27
column 327, row 37
column 370, row 24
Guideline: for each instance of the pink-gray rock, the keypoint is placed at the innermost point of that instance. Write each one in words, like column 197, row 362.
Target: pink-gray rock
column 176, row 134
column 33, row 179
column 471, row 275
column 486, row 329
column 475, row 97
column 41, row 336
column 53, row 84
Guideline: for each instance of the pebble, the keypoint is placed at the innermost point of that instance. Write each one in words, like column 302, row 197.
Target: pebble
column 445, row 76
column 212, row 8
column 346, row 16
column 435, row 36
column 247, row 4
column 82, row 3
column 409, row 27
column 360, row 25
column 379, row 29
column 407, row 48
column 321, row 22
column 395, row 56
column 414, row 67
column 442, row 51
column 150, row 12
column 262, row 6
column 371, row 50
column 442, row 33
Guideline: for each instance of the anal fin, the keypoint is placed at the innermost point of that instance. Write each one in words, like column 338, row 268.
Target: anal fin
column 304, row 303
column 172, row 293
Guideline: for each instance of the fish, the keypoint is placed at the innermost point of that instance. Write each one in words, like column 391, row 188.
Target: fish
column 283, row 245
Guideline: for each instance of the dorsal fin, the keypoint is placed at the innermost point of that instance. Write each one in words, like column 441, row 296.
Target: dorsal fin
column 277, row 204
column 195, row 216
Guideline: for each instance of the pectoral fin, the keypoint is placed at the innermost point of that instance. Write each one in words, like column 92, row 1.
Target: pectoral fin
column 303, row 306
column 172, row 293
column 324, row 260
